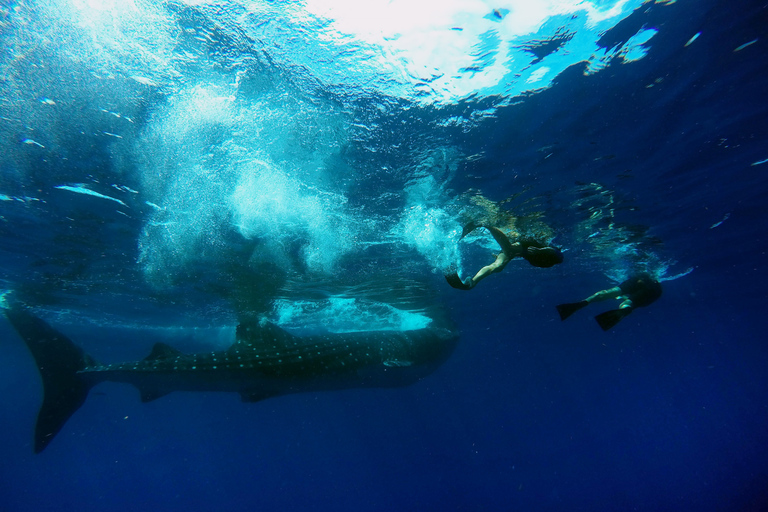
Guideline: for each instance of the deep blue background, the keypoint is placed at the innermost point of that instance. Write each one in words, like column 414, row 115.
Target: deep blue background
column 667, row 412
column 529, row 413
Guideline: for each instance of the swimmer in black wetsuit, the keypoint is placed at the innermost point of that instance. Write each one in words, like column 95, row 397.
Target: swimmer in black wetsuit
column 638, row 291
column 535, row 253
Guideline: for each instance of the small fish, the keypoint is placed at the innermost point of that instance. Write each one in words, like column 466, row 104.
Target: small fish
column 739, row 48
column 718, row 224
column 691, row 40
column 32, row 143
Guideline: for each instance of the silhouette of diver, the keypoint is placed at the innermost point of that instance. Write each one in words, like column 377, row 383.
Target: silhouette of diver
column 638, row 291
column 535, row 253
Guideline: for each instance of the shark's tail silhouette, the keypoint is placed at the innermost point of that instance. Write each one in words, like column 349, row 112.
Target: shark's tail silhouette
column 59, row 361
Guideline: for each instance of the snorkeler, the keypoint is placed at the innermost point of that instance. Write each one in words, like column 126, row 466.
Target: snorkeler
column 535, row 253
column 638, row 291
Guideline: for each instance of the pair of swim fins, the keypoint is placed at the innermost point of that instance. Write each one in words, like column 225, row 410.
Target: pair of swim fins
column 605, row 320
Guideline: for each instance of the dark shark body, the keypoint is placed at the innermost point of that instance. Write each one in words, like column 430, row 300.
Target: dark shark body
column 265, row 361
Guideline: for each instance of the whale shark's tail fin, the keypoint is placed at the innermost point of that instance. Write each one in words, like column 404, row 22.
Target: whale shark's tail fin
column 58, row 360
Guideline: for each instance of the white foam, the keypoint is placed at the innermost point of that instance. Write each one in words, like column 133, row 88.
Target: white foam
column 433, row 233
column 268, row 203
column 343, row 314
column 220, row 164
column 462, row 47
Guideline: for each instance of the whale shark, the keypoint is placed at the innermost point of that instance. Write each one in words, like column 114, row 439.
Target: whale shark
column 264, row 361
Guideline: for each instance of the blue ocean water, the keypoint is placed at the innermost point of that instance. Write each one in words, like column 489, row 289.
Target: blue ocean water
column 169, row 168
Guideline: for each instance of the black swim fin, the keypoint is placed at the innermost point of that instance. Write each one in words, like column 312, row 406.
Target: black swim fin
column 567, row 310
column 455, row 281
column 612, row 317
column 58, row 360
column 468, row 228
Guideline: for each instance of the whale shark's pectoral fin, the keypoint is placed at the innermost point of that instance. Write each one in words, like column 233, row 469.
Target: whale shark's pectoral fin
column 254, row 396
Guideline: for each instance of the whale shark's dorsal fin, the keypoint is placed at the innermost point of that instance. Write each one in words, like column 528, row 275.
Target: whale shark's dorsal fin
column 163, row 351
column 149, row 393
column 160, row 352
column 255, row 335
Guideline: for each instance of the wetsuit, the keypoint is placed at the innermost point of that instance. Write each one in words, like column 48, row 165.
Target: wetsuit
column 542, row 259
column 641, row 289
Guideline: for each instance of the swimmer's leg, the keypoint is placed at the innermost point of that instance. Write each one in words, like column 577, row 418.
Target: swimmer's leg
column 610, row 293
column 566, row 310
